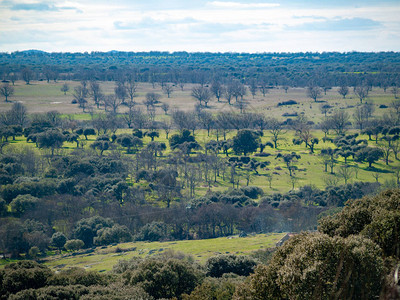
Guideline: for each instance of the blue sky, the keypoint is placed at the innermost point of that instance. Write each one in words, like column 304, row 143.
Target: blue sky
column 216, row 26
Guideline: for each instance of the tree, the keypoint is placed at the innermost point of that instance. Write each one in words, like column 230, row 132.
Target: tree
column 339, row 121
column 27, row 75
column 376, row 218
column 217, row 266
column 88, row 131
column 395, row 91
column 246, row 141
column 317, row 266
column 343, row 90
column 95, row 92
column 152, row 99
column 314, row 92
column 165, row 108
column 165, row 279
column 345, row 172
column 131, row 88
column 18, row 115
column 74, row 245
column 80, row 94
column 52, row 139
column 201, row 94
column 217, row 89
column 6, row 90
column 276, row 129
column 64, row 88
column 168, row 89
column 113, row 102
column 58, row 240
column 120, row 92
column 370, row 155
column 289, row 160
column 361, row 92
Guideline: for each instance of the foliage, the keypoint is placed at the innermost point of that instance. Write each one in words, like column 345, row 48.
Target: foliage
column 376, row 218
column 168, row 279
column 314, row 265
column 219, row 265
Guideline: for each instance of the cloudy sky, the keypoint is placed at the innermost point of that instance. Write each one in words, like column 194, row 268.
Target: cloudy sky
column 185, row 25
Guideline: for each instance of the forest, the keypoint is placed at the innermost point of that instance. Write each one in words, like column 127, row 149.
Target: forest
column 100, row 149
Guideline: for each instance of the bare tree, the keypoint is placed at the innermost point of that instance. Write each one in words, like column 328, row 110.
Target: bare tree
column 339, row 121
column 201, row 94
column 217, row 89
column 120, row 92
column 6, row 90
column 343, row 90
column 346, row 172
column 314, row 92
column 95, row 92
column 27, row 75
column 395, row 91
column 253, row 87
column 64, row 88
column 113, row 102
column 361, row 92
column 165, row 108
column 80, row 94
column 276, row 129
column 131, row 89
column 168, row 89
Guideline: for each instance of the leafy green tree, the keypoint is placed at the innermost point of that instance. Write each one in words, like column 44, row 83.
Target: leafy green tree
column 376, row 218
column 58, row 240
column 74, row 245
column 88, row 131
column 168, row 279
column 369, row 154
column 241, row 265
column 316, row 266
column 52, row 139
column 246, row 141
column 23, row 203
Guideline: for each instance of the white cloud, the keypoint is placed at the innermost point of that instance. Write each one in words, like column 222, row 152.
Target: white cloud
column 241, row 5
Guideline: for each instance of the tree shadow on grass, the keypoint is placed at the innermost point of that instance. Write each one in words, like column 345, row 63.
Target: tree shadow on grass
column 374, row 169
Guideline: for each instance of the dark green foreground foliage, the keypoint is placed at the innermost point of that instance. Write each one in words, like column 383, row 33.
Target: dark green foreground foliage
column 30, row 280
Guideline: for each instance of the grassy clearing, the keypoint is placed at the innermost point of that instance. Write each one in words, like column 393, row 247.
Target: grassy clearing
column 103, row 258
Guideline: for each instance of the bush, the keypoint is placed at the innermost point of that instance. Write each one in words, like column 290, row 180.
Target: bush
column 168, row 279
column 23, row 275
column 316, row 266
column 154, row 231
column 289, row 102
column 241, row 265
column 74, row 245
column 115, row 234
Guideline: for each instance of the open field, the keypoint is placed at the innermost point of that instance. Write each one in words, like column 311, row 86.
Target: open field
column 103, row 258
column 40, row 96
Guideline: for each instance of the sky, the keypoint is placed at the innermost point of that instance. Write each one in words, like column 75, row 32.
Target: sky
column 199, row 26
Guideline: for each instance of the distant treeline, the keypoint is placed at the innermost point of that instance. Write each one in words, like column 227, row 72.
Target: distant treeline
column 268, row 69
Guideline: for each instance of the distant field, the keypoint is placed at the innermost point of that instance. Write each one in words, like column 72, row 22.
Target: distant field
column 40, row 96
column 103, row 258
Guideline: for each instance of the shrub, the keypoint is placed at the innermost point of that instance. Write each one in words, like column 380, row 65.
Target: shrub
column 241, row 265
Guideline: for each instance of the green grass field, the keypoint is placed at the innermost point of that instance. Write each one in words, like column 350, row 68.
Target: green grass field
column 103, row 258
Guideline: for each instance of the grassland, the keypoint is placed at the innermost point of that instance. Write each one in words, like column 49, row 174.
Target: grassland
column 103, row 258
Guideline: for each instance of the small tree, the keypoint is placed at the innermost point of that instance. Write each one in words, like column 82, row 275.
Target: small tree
column 343, row 90
column 64, row 88
column 246, row 141
column 201, row 94
column 7, row 90
column 361, row 92
column 58, row 240
column 74, row 245
column 168, row 89
column 314, row 92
